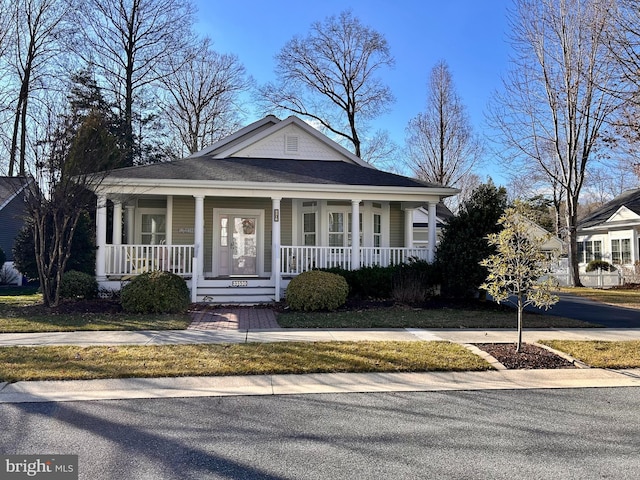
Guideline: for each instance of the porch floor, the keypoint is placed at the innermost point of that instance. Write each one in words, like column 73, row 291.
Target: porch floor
column 233, row 318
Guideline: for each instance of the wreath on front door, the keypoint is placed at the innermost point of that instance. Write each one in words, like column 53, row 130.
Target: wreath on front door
column 248, row 226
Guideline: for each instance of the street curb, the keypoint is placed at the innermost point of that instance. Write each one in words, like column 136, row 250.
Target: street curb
column 321, row 383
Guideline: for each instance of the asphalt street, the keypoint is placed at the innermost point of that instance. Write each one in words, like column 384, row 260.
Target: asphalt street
column 580, row 308
column 561, row 434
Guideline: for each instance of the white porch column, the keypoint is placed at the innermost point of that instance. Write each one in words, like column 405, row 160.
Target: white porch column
column 101, row 237
column 431, row 247
column 129, row 238
column 198, row 234
column 275, row 245
column 355, row 234
column 408, row 227
column 117, row 223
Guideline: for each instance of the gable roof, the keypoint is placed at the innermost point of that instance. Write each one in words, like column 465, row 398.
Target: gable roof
column 268, row 126
column 256, row 158
column 10, row 187
column 629, row 199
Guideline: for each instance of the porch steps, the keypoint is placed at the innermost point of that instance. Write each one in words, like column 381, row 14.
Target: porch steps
column 236, row 291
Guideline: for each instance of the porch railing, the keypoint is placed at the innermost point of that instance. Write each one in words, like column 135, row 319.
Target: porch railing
column 383, row 257
column 124, row 260
column 297, row 259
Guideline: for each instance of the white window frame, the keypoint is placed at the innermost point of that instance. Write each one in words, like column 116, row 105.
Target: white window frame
column 151, row 211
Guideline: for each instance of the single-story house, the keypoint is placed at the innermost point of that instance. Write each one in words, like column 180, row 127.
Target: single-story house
column 243, row 216
column 612, row 232
column 421, row 224
column 12, row 210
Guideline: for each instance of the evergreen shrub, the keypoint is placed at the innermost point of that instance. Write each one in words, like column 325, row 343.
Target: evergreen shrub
column 78, row 285
column 156, row 292
column 317, row 290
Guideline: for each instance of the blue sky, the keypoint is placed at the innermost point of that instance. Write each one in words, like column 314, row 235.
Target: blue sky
column 470, row 35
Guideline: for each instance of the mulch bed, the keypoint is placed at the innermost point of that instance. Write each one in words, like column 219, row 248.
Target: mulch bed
column 530, row 356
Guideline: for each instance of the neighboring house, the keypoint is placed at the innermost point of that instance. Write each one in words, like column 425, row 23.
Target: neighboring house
column 612, row 232
column 255, row 209
column 553, row 247
column 421, row 224
column 12, row 208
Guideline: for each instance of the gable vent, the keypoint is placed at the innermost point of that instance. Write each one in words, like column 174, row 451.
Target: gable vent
column 291, row 144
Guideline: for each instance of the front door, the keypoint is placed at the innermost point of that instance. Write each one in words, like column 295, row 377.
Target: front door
column 238, row 247
column 244, row 245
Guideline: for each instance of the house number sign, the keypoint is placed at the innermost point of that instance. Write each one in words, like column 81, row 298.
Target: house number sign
column 239, row 283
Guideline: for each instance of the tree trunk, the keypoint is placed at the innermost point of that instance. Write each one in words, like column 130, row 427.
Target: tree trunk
column 520, row 309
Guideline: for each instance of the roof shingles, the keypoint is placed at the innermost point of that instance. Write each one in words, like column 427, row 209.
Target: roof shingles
column 235, row 169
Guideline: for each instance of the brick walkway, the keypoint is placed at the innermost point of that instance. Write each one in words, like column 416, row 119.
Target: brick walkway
column 233, row 318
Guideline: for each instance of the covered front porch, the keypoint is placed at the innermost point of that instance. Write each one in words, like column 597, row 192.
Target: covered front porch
column 245, row 249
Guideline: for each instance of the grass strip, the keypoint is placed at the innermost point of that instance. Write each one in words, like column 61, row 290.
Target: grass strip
column 428, row 318
column 601, row 354
column 14, row 322
column 83, row 363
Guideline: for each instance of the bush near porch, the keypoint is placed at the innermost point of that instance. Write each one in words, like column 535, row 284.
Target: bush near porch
column 410, row 283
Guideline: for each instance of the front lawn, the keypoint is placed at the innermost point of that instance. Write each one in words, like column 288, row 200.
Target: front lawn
column 397, row 317
column 83, row 363
column 21, row 310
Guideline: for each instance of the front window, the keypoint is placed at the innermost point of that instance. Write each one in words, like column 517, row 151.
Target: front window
column 589, row 250
column 621, row 251
column 309, row 228
column 377, row 230
column 336, row 229
column 153, row 229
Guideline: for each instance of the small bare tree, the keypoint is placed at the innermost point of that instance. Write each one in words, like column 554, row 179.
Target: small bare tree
column 518, row 266
column 330, row 76
column 441, row 144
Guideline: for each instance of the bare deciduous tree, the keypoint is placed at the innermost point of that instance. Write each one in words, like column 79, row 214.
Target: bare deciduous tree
column 131, row 44
column 441, row 144
column 203, row 96
column 330, row 76
column 37, row 26
column 558, row 93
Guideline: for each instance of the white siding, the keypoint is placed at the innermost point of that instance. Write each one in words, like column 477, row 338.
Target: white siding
column 273, row 146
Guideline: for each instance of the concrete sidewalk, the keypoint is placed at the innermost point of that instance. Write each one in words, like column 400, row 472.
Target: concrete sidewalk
column 167, row 337
column 75, row 390
column 136, row 388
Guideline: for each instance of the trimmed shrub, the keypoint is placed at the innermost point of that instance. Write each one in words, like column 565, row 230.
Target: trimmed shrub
column 78, row 285
column 603, row 265
column 368, row 282
column 317, row 290
column 156, row 292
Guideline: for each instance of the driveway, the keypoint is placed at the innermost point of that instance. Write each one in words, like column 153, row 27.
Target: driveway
column 587, row 310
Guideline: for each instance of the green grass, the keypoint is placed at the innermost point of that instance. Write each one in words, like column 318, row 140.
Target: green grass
column 621, row 297
column 601, row 354
column 68, row 363
column 428, row 318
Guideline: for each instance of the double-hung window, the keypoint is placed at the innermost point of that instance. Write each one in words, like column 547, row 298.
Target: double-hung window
column 589, row 250
column 153, row 228
column 621, row 251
